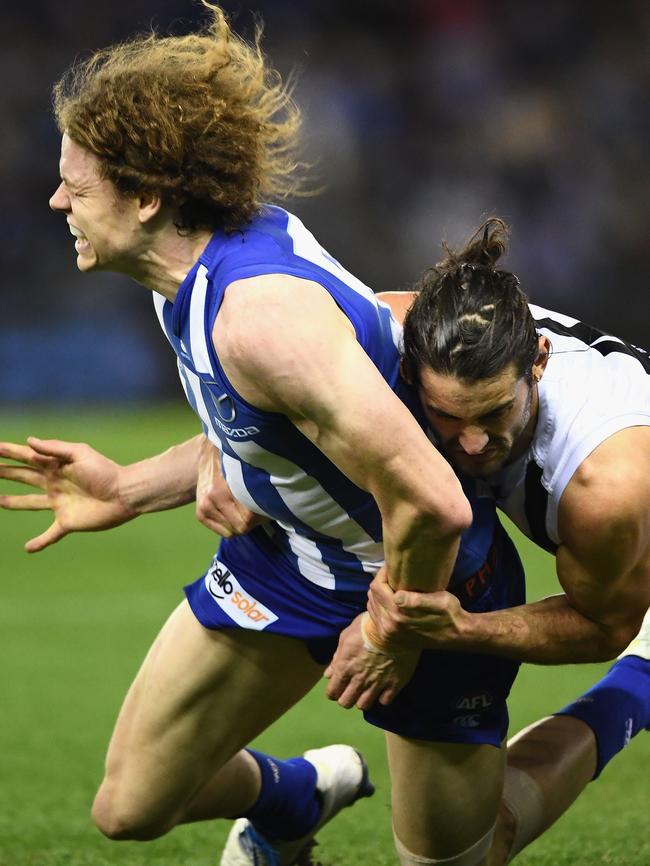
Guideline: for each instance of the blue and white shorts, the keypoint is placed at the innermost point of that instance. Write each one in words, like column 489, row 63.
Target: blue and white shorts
column 452, row 697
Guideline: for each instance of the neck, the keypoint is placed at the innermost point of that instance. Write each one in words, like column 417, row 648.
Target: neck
column 166, row 261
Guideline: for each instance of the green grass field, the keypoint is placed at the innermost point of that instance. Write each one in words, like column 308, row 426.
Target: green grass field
column 76, row 621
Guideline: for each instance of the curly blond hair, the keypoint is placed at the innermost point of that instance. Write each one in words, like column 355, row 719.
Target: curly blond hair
column 200, row 119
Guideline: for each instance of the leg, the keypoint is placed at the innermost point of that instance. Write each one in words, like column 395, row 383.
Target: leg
column 549, row 764
column 445, row 799
column 199, row 697
column 552, row 761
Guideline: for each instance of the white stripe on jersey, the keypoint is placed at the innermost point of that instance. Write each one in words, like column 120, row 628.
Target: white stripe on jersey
column 194, row 384
column 396, row 330
column 561, row 318
column 305, row 497
column 198, row 345
column 159, row 302
column 309, row 559
column 183, row 378
column 307, row 247
column 232, row 472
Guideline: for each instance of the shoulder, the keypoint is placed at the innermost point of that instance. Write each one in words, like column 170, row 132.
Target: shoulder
column 271, row 333
column 617, row 467
column 586, row 415
column 607, row 501
column 274, row 308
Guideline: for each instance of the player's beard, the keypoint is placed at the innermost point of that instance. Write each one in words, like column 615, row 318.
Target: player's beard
column 522, row 436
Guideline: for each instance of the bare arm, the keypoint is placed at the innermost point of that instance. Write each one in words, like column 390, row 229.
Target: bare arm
column 163, row 481
column 548, row 632
column 603, row 566
column 87, row 491
column 287, row 348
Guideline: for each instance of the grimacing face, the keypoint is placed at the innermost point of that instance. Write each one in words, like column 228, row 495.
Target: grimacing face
column 105, row 224
column 480, row 425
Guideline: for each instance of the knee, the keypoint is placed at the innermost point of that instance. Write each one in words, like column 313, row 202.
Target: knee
column 120, row 821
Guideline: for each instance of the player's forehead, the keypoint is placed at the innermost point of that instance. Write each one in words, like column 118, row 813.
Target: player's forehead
column 78, row 166
column 469, row 399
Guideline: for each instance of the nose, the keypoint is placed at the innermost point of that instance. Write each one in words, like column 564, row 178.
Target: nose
column 473, row 440
column 60, row 200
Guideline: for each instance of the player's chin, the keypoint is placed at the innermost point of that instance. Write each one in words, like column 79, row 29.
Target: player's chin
column 86, row 261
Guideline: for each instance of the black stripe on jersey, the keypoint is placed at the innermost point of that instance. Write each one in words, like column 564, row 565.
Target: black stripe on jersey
column 535, row 505
column 589, row 335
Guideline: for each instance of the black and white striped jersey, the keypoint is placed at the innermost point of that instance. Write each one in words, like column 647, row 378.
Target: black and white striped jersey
column 594, row 385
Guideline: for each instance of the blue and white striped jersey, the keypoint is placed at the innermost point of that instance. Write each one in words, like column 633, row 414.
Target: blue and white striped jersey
column 328, row 527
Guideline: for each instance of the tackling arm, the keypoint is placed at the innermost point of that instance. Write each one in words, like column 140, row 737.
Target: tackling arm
column 603, row 565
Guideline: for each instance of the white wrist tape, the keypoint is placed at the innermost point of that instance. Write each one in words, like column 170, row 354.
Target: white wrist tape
column 367, row 642
column 469, row 857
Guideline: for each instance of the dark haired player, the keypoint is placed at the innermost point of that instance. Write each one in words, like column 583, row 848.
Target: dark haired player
column 553, row 418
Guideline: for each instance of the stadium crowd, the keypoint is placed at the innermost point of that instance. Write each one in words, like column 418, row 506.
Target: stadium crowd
column 421, row 118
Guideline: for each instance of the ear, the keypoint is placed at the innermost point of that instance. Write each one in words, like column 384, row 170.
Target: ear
column 149, row 204
column 403, row 372
column 543, row 354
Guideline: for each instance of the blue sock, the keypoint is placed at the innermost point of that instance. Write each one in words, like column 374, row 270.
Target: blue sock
column 289, row 804
column 616, row 708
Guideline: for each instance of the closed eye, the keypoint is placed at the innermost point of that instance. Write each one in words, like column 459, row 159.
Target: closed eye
column 442, row 415
column 492, row 415
column 496, row 413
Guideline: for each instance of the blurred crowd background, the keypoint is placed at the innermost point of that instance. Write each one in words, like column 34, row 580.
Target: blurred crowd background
column 421, row 118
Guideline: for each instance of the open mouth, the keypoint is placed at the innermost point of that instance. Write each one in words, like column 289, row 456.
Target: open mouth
column 81, row 241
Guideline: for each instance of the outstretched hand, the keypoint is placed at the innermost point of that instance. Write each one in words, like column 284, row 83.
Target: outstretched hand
column 360, row 674
column 78, row 484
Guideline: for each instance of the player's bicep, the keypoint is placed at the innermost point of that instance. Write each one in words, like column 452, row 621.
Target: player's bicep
column 604, row 561
column 357, row 421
